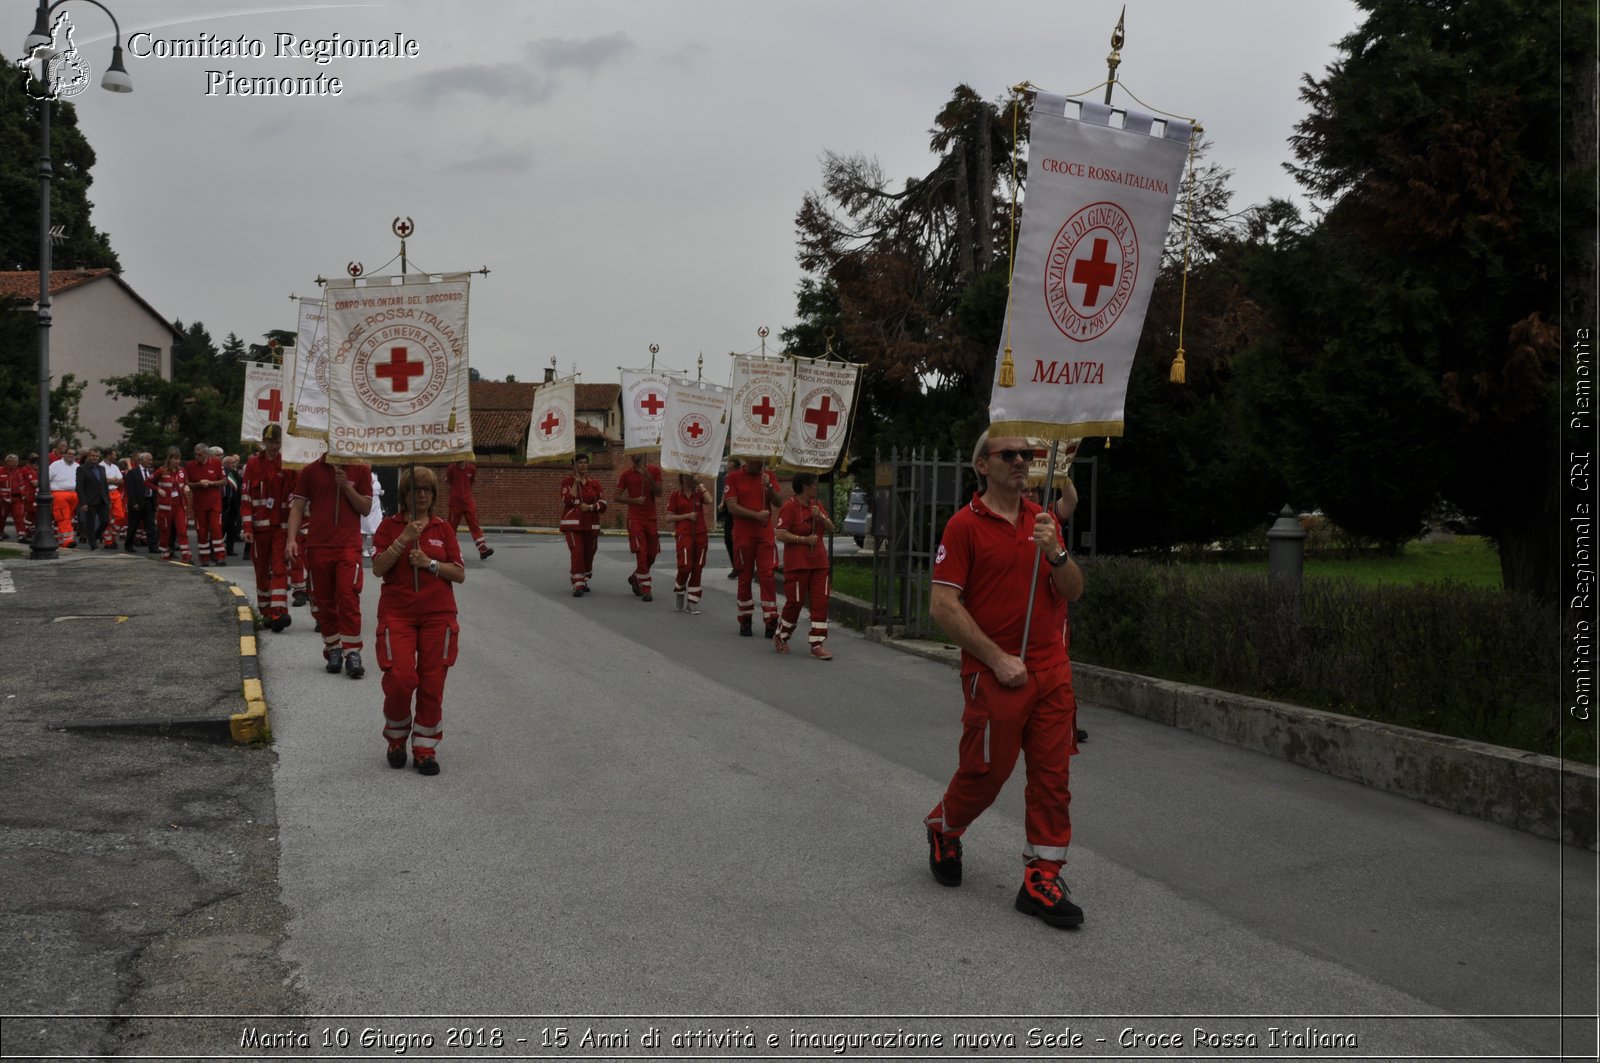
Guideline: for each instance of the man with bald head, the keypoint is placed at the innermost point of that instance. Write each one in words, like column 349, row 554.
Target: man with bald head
column 997, row 551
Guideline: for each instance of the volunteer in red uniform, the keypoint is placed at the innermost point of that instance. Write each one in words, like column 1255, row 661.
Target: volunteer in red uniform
column 171, row 486
column 686, row 509
column 461, row 475
column 29, row 498
column 639, row 487
column 339, row 496
column 751, row 495
column 582, row 502
column 806, row 577
column 264, row 519
column 11, row 487
column 418, row 558
column 205, row 489
column 1018, row 698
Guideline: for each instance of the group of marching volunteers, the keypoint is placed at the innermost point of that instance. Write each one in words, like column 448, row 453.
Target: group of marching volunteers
column 761, row 518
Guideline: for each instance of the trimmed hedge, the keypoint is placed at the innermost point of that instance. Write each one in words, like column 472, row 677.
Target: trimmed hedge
column 1455, row 660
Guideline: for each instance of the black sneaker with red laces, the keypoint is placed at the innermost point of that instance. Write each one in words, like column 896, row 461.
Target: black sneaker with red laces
column 1044, row 894
column 944, row 857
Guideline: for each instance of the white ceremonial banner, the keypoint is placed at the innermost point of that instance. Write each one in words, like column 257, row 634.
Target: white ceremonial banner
column 263, row 399
column 553, row 429
column 644, row 406
column 305, row 374
column 824, row 396
column 1099, row 201
column 1066, row 454
column 695, row 425
column 300, row 451
column 758, row 423
column 397, row 370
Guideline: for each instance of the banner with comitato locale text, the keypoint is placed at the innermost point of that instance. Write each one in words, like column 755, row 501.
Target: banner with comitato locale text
column 824, row 397
column 758, row 419
column 263, row 399
column 397, row 370
column 1099, row 202
column 553, row 426
column 694, row 427
column 305, row 374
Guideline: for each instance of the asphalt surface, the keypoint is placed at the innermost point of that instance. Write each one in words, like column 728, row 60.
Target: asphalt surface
column 641, row 813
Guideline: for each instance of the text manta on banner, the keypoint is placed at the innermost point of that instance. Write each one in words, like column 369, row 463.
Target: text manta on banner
column 1099, row 203
column 398, row 372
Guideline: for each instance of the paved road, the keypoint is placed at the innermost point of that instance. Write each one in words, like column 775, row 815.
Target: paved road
column 641, row 813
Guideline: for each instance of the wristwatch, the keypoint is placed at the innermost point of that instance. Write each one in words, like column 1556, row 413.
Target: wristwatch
column 1059, row 560
column 433, row 568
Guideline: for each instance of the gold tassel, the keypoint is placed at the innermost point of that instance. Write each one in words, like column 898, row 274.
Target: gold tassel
column 1178, row 376
column 291, row 419
column 451, row 427
column 1008, row 371
column 1108, row 442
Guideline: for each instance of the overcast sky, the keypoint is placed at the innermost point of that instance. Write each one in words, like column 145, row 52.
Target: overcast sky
column 629, row 170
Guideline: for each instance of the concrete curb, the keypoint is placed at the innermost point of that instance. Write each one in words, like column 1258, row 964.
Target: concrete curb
column 1530, row 792
column 251, row 724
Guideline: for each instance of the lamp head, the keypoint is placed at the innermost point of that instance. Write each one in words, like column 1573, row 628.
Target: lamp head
column 117, row 79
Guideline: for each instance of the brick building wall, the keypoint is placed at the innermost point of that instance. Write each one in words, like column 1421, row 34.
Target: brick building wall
column 532, row 493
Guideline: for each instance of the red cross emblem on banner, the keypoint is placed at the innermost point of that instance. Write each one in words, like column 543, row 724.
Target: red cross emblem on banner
column 824, row 417
column 764, row 410
column 399, row 370
column 1094, row 272
column 695, row 430
column 272, row 404
column 550, row 423
column 652, row 403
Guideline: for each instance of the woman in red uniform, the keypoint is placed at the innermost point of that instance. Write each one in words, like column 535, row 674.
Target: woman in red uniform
column 686, row 509
column 418, row 559
column 582, row 502
column 172, row 518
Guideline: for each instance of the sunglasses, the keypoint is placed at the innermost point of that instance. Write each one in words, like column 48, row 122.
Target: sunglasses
column 1009, row 456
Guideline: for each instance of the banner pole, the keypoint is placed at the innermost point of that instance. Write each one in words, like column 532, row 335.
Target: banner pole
column 1033, row 582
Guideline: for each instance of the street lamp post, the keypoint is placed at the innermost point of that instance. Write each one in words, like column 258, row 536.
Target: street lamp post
column 37, row 47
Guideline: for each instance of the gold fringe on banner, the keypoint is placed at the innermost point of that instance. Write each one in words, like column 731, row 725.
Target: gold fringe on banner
column 1051, row 430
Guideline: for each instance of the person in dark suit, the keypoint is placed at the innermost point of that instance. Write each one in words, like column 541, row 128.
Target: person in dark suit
column 94, row 499
column 141, row 503
column 231, row 499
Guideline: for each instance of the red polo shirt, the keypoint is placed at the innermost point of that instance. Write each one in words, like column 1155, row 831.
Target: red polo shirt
column 988, row 559
column 631, row 483
column 750, row 491
column 316, row 485
column 460, row 476
column 426, row 594
column 795, row 518
column 210, row 469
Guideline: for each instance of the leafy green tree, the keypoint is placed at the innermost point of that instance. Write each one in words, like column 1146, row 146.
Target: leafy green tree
column 19, row 385
column 1414, row 326
column 71, row 159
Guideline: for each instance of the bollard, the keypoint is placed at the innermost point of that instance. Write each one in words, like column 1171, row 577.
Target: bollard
column 1286, row 551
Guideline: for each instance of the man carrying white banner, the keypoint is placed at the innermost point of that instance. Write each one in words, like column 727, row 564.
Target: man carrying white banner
column 694, row 428
column 762, row 394
column 1099, row 202
column 553, row 428
column 824, row 396
column 305, row 374
column 263, row 399
column 397, row 370
column 644, row 404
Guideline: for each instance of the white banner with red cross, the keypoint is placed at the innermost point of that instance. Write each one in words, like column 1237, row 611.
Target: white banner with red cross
column 1099, row 202
column 694, row 427
column 263, row 399
column 763, row 391
column 305, row 374
column 397, row 370
column 824, row 397
column 553, row 428
column 644, row 407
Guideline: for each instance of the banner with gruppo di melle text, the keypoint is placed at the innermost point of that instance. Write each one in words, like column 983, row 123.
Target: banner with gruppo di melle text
column 553, row 426
column 694, row 427
column 397, row 370
column 263, row 399
column 1099, row 202
column 824, row 397
column 758, row 422
column 305, row 374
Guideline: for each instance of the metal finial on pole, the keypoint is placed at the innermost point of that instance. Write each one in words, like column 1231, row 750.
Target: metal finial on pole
column 403, row 227
column 655, row 349
column 1114, row 60
column 763, row 333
